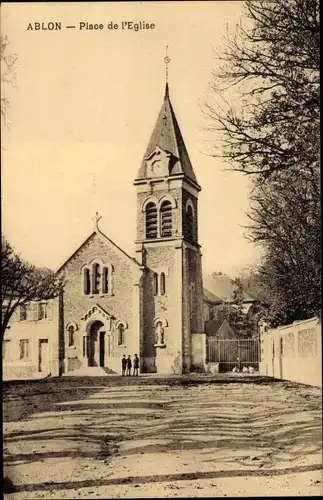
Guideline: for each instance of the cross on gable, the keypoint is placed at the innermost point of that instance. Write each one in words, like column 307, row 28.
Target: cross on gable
column 96, row 220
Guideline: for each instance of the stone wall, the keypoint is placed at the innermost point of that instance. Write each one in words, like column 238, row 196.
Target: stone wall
column 165, row 308
column 293, row 352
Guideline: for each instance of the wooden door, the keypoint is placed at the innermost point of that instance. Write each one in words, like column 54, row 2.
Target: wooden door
column 102, row 348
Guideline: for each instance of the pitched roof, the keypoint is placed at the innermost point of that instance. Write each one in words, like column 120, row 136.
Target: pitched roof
column 213, row 328
column 100, row 233
column 167, row 136
column 210, row 297
column 222, row 286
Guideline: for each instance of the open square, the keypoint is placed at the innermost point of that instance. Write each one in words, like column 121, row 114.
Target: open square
column 162, row 437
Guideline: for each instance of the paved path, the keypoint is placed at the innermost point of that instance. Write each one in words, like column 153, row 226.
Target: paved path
column 75, row 440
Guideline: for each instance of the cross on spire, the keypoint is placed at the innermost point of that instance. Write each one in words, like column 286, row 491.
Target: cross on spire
column 96, row 220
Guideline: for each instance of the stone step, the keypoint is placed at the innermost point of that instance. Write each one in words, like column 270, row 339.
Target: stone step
column 87, row 371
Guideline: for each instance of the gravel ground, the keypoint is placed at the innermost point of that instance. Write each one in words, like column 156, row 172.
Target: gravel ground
column 116, row 438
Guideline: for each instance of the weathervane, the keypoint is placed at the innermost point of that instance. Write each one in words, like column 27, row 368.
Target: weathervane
column 96, row 221
column 166, row 61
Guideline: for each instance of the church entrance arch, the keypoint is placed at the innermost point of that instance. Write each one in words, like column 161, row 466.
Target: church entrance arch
column 96, row 336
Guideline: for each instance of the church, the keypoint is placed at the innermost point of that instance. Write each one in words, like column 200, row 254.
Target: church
column 151, row 304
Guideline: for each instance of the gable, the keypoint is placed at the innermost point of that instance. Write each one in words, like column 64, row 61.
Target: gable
column 96, row 309
column 220, row 329
column 225, row 331
column 212, row 326
column 99, row 280
column 97, row 245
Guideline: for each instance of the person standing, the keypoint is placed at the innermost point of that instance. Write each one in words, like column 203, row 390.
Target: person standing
column 135, row 365
column 124, row 365
column 129, row 365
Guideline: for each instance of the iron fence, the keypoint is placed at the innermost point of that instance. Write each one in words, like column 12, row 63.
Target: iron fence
column 227, row 352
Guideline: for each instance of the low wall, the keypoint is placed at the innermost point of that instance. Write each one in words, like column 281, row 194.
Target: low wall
column 293, row 352
column 14, row 372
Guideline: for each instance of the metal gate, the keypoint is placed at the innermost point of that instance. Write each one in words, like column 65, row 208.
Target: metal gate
column 227, row 352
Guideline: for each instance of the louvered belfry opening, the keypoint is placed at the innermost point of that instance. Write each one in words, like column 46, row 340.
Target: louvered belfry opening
column 151, row 221
column 166, row 218
column 189, row 223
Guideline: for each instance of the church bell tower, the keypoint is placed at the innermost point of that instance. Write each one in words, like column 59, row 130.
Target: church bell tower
column 168, row 249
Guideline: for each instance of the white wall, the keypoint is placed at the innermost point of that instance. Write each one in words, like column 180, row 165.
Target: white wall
column 293, row 352
column 32, row 330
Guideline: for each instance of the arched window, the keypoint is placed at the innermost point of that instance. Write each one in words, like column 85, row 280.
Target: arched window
column 151, row 220
column 87, row 282
column 98, row 278
column 111, row 280
column 155, row 283
column 95, row 278
column 189, row 223
column 166, row 218
column 71, row 336
column 162, row 284
column 120, row 334
column 105, row 280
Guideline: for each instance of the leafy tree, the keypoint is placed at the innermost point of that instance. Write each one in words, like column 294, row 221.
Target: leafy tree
column 233, row 312
column 253, row 284
column 286, row 217
column 272, row 134
column 22, row 283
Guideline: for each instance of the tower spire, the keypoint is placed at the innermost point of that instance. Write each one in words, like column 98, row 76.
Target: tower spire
column 166, row 61
column 167, row 136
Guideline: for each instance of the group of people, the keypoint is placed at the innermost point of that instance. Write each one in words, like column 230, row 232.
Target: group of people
column 127, row 364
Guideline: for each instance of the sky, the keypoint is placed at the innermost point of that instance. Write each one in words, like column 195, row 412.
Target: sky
column 81, row 113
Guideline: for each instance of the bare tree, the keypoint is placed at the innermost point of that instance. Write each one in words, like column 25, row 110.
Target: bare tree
column 22, row 283
column 271, row 64
column 8, row 73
